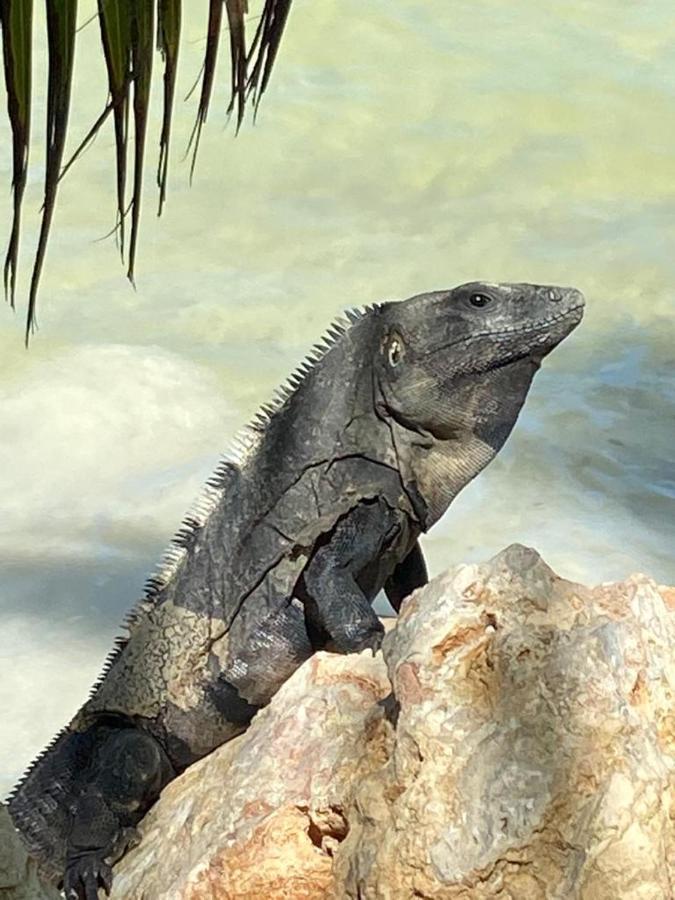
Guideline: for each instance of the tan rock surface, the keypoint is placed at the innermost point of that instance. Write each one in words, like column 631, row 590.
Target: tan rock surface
column 535, row 744
column 263, row 816
column 529, row 753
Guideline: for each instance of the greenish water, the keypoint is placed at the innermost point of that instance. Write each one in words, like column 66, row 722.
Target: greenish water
column 404, row 146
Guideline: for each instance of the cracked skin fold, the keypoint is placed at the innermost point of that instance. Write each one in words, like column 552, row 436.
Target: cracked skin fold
column 362, row 450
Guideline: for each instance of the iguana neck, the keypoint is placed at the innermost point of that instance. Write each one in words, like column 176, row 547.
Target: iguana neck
column 439, row 469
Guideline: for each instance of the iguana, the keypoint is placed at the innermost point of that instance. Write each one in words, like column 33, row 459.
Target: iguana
column 362, row 450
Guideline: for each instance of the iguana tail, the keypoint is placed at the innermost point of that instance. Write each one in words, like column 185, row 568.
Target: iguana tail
column 40, row 803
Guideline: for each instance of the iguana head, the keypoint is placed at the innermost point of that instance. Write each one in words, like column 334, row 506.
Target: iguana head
column 454, row 368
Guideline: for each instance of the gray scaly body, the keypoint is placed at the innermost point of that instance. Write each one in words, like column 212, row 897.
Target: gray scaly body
column 363, row 450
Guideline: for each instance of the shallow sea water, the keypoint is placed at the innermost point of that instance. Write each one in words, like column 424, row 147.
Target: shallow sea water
column 402, row 147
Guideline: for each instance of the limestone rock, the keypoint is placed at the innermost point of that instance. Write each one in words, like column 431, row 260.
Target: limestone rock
column 527, row 752
column 18, row 873
column 263, row 816
column 534, row 754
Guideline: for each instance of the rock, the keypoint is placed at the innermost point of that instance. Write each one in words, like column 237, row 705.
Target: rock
column 535, row 743
column 263, row 816
column 527, row 751
column 18, row 873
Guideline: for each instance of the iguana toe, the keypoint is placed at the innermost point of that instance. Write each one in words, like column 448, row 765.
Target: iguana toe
column 128, row 838
column 84, row 875
column 373, row 642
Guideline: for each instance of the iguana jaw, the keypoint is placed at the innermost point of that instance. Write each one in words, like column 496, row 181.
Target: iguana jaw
column 555, row 327
column 494, row 348
column 463, row 376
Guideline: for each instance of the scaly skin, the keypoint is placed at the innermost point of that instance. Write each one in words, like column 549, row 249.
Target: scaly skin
column 364, row 450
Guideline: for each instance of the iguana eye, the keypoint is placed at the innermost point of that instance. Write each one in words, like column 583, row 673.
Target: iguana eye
column 479, row 299
column 395, row 350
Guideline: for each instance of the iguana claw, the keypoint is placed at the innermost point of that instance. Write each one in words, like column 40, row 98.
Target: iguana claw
column 84, row 875
column 128, row 838
column 373, row 642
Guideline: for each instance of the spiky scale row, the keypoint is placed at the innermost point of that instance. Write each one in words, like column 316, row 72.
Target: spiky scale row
column 242, row 448
column 319, row 511
column 50, row 746
column 230, row 466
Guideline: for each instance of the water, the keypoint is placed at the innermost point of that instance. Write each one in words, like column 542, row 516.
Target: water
column 403, row 147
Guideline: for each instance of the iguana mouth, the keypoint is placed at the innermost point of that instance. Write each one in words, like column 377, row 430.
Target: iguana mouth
column 532, row 329
column 514, row 330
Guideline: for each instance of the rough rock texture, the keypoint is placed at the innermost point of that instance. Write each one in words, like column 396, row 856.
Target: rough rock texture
column 263, row 816
column 535, row 744
column 18, row 873
column 529, row 752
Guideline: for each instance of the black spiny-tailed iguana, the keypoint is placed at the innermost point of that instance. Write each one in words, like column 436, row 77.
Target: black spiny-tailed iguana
column 363, row 450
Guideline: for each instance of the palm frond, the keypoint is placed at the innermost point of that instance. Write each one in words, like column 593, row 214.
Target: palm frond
column 127, row 29
column 61, row 27
column 235, row 16
column 16, row 20
column 208, row 75
column 168, row 42
column 142, row 32
column 265, row 46
column 115, row 24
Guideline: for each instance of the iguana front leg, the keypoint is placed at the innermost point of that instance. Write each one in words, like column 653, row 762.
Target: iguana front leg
column 123, row 778
column 331, row 579
column 408, row 575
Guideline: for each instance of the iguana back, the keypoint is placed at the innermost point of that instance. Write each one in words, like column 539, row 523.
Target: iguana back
column 321, row 507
